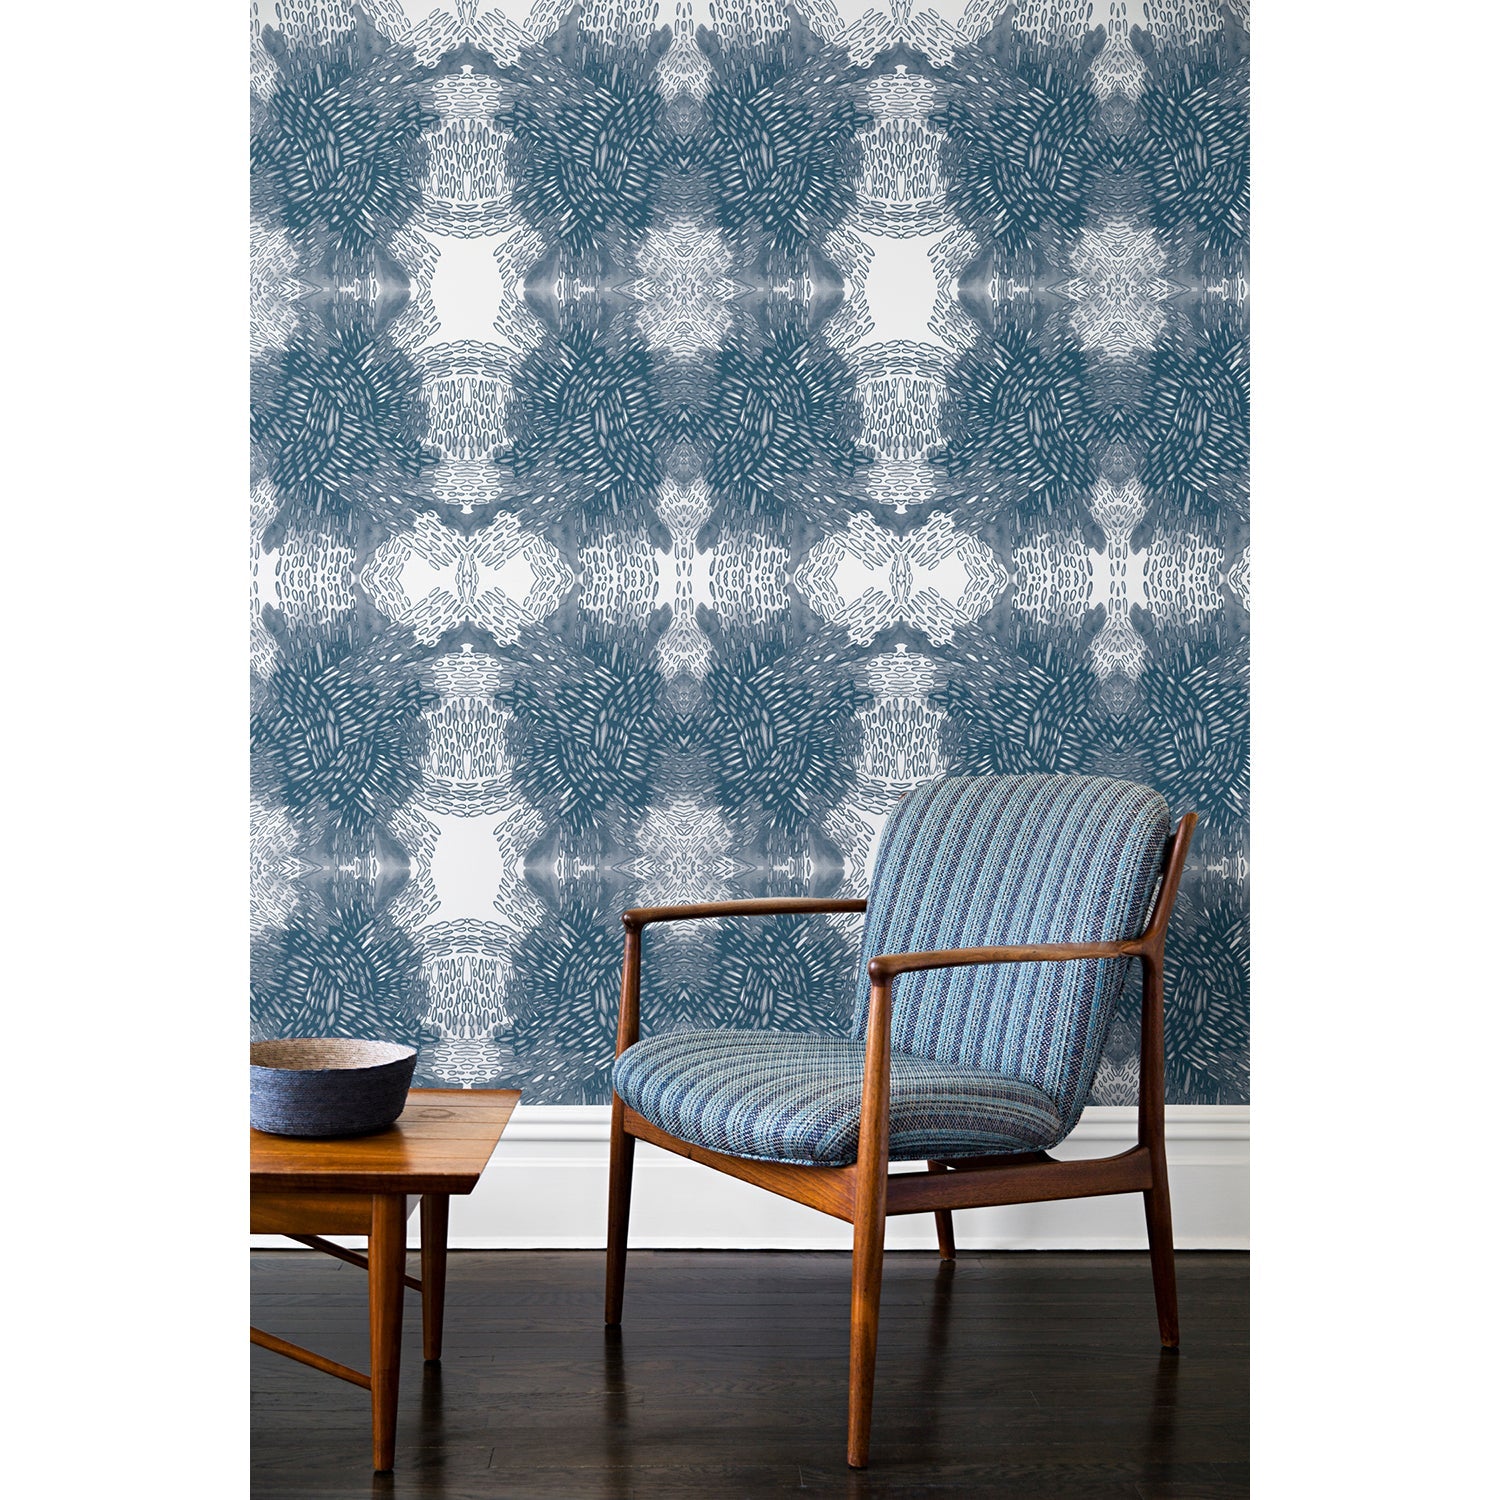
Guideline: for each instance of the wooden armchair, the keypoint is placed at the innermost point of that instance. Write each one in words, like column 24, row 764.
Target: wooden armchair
column 1009, row 907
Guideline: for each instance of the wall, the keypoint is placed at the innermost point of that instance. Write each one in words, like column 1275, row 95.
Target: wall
column 674, row 437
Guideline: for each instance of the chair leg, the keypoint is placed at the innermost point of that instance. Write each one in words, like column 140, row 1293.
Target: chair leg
column 434, row 1272
column 621, row 1170
column 864, row 1323
column 1163, row 1265
column 947, row 1250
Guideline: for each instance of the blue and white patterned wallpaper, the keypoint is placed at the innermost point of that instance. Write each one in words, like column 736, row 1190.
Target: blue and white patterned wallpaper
column 677, row 431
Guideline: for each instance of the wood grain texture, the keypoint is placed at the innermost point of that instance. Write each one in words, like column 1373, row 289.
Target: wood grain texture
column 947, row 1247
column 441, row 1144
column 828, row 1189
column 1151, row 1109
column 871, row 1171
column 1032, row 1375
column 886, row 966
column 755, row 906
column 434, row 1273
column 349, row 1257
column 617, row 1229
column 387, row 1268
column 298, row 1212
column 1041, row 1181
column 303, row 1356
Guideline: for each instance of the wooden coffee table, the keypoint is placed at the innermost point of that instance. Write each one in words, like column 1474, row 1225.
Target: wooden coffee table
column 369, row 1185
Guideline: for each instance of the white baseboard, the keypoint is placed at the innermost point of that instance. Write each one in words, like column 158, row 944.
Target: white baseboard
column 545, row 1189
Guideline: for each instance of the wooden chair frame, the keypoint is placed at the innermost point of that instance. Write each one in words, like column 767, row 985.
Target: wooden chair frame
column 867, row 1193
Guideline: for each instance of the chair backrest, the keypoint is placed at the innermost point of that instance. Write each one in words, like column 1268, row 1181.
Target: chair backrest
column 987, row 860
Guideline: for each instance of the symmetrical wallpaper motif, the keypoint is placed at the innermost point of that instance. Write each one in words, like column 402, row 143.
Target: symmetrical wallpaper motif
column 678, row 431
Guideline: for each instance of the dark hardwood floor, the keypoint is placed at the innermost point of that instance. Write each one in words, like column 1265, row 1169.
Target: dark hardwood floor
column 1031, row 1376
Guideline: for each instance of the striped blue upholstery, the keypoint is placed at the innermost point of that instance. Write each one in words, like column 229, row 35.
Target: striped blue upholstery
column 981, row 861
column 985, row 1059
column 791, row 1097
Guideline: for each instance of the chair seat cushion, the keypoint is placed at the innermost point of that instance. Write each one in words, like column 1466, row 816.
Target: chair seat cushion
column 793, row 1097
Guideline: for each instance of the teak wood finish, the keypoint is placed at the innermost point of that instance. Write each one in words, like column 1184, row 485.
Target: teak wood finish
column 370, row 1185
column 867, row 1193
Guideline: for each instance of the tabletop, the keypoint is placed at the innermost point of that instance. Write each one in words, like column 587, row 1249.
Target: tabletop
column 441, row 1144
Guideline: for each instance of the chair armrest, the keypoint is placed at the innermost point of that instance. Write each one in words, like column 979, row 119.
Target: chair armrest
column 642, row 916
column 761, row 906
column 885, row 966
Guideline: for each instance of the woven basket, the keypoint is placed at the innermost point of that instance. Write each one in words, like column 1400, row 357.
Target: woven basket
column 328, row 1086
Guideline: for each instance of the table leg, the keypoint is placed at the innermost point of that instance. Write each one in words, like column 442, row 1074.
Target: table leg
column 434, row 1272
column 387, row 1270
